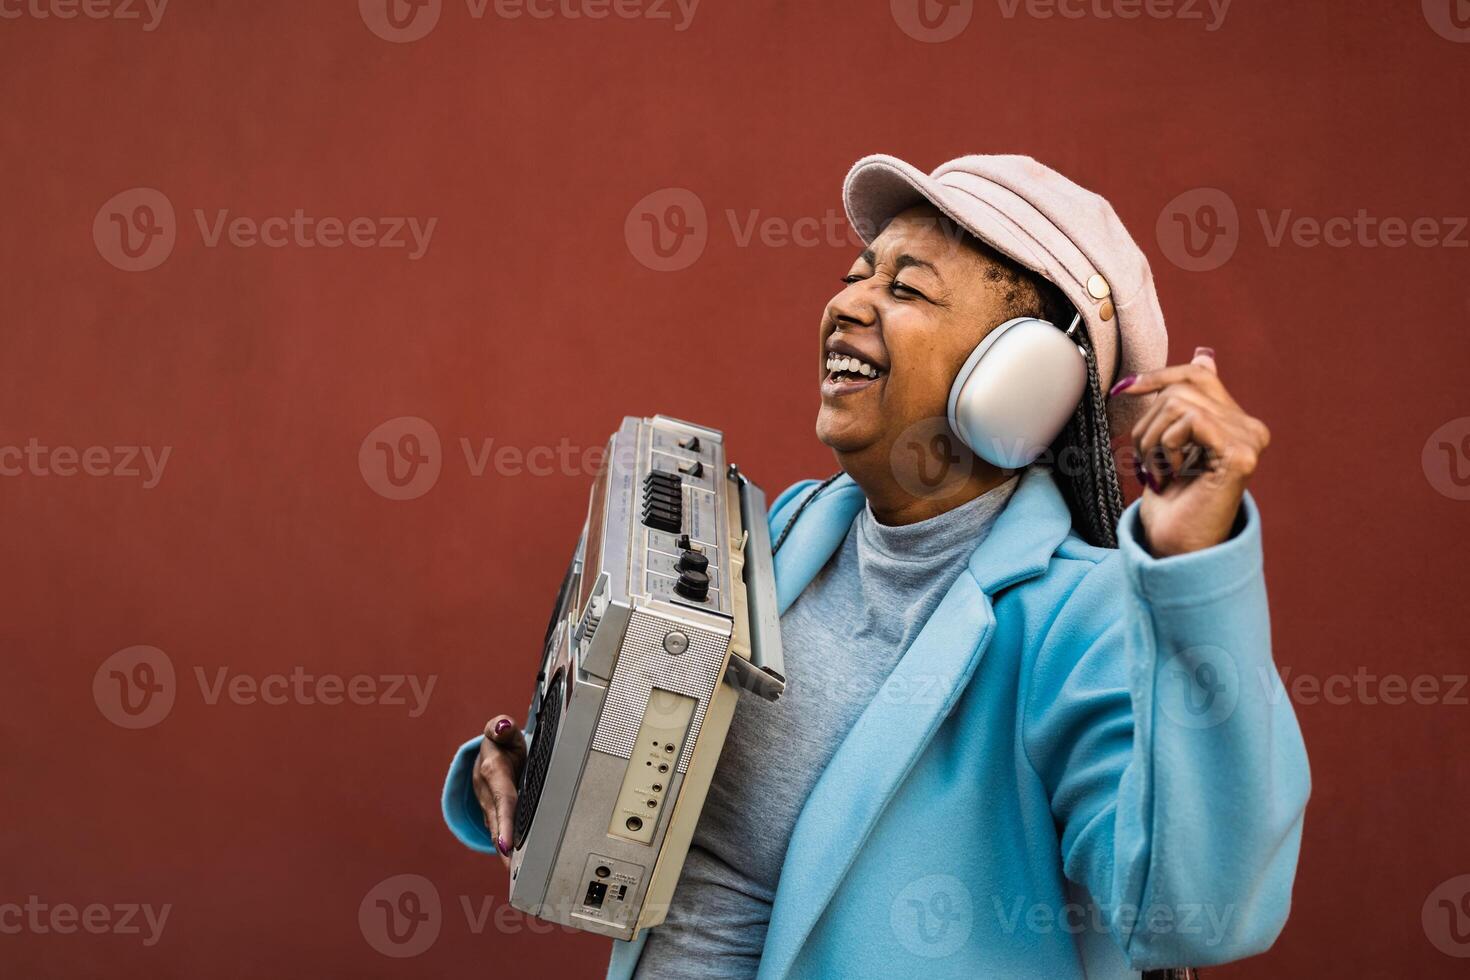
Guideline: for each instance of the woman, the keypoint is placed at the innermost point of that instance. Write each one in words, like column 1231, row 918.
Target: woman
column 1033, row 737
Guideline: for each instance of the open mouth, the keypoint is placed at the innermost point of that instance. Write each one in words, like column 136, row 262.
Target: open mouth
column 846, row 372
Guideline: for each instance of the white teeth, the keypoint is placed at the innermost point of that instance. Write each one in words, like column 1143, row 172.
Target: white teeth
column 852, row 365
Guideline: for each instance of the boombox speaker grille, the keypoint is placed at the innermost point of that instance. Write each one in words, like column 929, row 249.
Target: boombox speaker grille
column 533, row 776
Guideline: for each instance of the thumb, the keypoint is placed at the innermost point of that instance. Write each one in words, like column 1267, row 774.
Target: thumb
column 1205, row 357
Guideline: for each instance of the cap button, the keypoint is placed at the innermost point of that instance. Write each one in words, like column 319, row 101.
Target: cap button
column 1098, row 288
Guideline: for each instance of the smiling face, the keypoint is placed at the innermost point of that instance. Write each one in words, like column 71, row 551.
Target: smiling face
column 913, row 307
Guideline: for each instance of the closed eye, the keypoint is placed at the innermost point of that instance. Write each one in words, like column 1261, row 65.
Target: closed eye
column 900, row 289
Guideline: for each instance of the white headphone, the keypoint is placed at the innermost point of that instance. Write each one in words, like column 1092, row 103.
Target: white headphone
column 1017, row 390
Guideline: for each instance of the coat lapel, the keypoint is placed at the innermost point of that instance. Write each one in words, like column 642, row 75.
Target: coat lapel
column 814, row 537
column 899, row 722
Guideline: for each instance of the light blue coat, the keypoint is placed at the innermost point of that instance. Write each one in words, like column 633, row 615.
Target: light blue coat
column 1071, row 722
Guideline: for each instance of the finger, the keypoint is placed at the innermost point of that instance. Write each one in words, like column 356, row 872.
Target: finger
column 1196, row 375
column 485, row 797
column 1160, row 459
column 496, row 793
column 1168, row 400
column 1152, row 461
column 1187, row 459
column 503, row 731
column 1205, row 358
column 505, row 811
column 1211, row 447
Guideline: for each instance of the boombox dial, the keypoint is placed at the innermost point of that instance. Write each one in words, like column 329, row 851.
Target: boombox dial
column 693, row 583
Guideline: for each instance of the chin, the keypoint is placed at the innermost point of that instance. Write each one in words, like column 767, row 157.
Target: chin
column 841, row 432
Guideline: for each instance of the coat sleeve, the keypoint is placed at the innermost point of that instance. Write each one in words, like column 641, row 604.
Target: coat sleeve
column 461, row 808
column 1169, row 750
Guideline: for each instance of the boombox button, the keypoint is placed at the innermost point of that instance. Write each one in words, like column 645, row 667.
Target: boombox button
column 693, row 585
column 676, row 643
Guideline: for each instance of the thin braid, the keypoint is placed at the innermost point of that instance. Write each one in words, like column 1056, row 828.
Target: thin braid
column 781, row 538
column 1091, row 488
column 1107, row 495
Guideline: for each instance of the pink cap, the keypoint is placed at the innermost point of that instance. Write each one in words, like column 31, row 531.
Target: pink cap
column 1034, row 215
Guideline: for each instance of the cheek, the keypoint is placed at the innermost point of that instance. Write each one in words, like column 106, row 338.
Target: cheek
column 929, row 368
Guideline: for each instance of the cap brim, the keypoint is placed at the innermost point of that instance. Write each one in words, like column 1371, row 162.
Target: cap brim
column 878, row 188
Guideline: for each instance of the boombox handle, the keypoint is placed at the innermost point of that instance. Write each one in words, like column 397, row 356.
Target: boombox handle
column 765, row 671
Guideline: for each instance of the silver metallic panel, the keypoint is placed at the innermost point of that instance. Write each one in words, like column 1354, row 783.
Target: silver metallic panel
column 643, row 665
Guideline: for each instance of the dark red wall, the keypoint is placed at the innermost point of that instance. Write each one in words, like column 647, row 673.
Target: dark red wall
column 536, row 319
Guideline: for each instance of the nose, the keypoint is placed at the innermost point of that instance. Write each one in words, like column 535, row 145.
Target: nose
column 854, row 306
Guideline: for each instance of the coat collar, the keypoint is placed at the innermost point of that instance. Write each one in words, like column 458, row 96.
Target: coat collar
column 1025, row 535
column 900, row 721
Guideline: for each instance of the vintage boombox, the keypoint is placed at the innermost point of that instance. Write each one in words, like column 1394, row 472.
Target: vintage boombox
column 667, row 611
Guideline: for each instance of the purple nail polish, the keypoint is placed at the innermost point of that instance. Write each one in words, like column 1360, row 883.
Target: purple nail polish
column 502, row 846
column 1206, row 351
column 1123, row 385
column 502, row 726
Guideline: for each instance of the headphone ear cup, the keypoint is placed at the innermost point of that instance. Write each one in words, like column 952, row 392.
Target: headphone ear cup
column 1016, row 391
